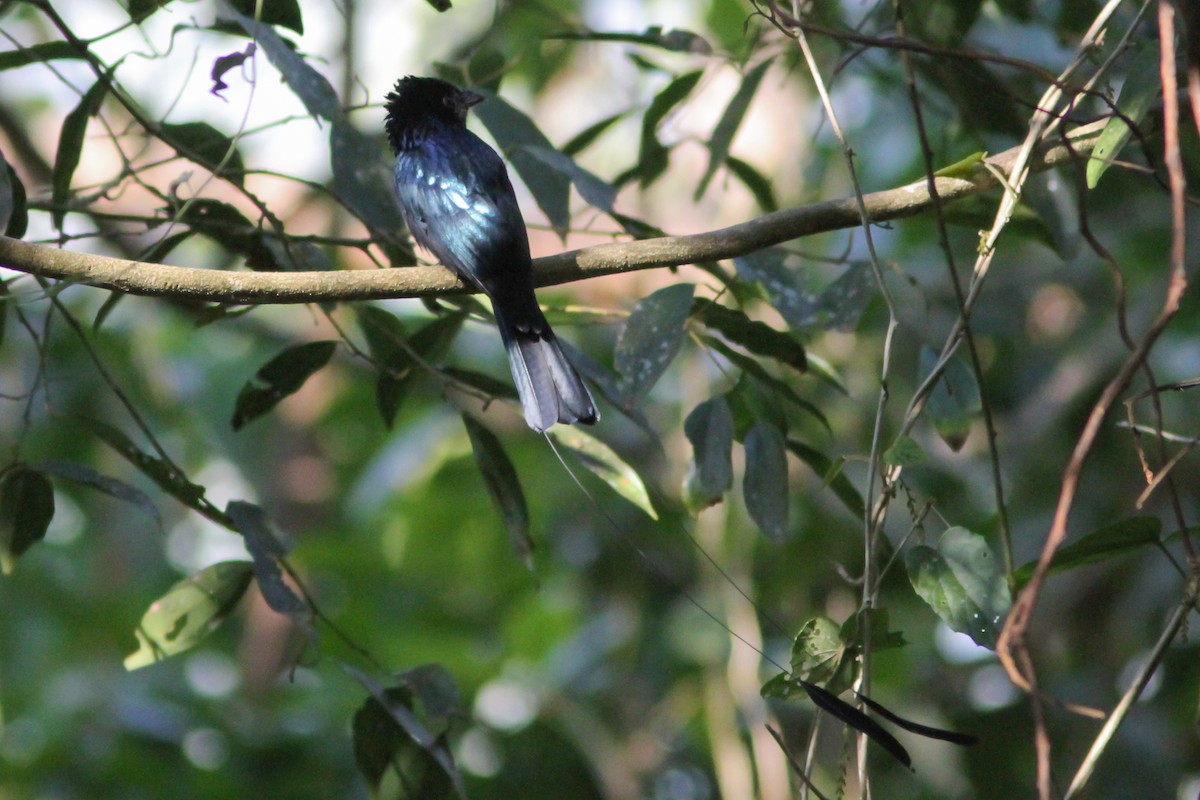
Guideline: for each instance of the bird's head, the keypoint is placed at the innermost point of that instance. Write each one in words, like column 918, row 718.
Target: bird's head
column 416, row 104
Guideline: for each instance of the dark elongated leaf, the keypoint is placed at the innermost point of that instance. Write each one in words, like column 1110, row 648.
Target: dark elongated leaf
column 651, row 339
column 756, row 182
column 929, row 732
column 837, row 306
column 313, row 89
column 139, row 10
column 757, row 337
column 962, row 583
column 18, row 213
column 677, row 41
column 283, row 375
column 858, row 720
column 208, row 147
column 37, row 53
column 189, row 611
column 954, row 403
column 594, row 190
column 285, row 13
column 364, row 184
column 652, row 155
column 393, row 350
column 607, row 465
column 1107, row 542
column 229, row 228
column 515, row 133
column 86, row 476
column 162, row 473
column 7, row 205
column 756, row 371
column 70, row 148
column 830, row 473
column 503, row 486
column 483, row 383
column 765, row 484
column 26, row 508
column 584, row 139
column 267, row 551
column 722, row 136
column 710, row 430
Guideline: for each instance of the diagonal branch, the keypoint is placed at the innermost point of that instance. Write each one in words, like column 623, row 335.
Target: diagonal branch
column 220, row 286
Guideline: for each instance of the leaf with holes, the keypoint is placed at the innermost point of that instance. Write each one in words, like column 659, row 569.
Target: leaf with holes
column 283, row 375
column 651, row 339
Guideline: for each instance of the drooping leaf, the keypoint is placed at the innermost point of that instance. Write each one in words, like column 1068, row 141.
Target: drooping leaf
column 904, row 452
column 393, row 350
column 503, row 486
column 285, row 13
column 962, row 583
column 607, row 465
column 1142, row 86
column 709, row 428
column 675, row 40
column 596, row 191
column 18, row 213
column 363, row 183
column 169, row 479
column 838, row 306
column 26, row 508
column 757, row 337
column 779, row 388
column 765, row 484
column 840, row 709
column 189, row 611
column 515, row 133
column 38, row 53
column 1110, row 541
column 954, row 403
column 208, row 147
column 722, row 135
column 268, row 550
column 584, row 139
column 283, row 375
column 929, row 732
column 86, row 476
column 652, row 154
column 756, row 182
column 70, row 148
column 831, row 474
column 651, row 339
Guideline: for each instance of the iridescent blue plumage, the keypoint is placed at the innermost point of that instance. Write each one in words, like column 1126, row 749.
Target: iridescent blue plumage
column 459, row 204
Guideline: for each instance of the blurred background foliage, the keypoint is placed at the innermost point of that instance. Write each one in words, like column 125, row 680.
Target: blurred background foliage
column 618, row 657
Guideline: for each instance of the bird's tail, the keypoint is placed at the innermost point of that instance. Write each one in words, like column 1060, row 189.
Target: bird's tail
column 549, row 387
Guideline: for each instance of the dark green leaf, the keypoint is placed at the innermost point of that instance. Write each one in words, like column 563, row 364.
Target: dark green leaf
column 86, row 476
column 486, row 384
column 285, row 13
column 1142, row 86
column 139, row 10
column 677, row 41
column 904, row 452
column 70, row 148
column 503, row 486
column 765, row 484
column 162, row 473
column 515, row 133
column 1099, row 545
column 313, row 88
column 268, row 551
column 757, row 337
column 722, row 136
column 394, row 352
column 954, row 402
column 709, row 428
column 191, row 610
column 979, row 212
column 830, row 473
column 651, row 339
column 362, row 182
column 38, row 53
column 582, row 140
column 857, row 720
column 26, row 508
column 208, row 147
column 817, row 651
column 594, row 190
column 756, row 371
column 18, row 215
column 985, row 104
column 756, row 182
column 652, row 155
column 607, row 465
column 283, row 375
column 962, row 583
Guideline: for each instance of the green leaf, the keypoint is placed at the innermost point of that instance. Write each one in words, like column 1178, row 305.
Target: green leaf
column 90, row 478
column 607, row 465
column 596, row 191
column 765, row 484
column 831, row 473
column 675, row 40
column 709, row 428
column 26, row 508
column 760, row 375
column 817, row 651
column 208, row 147
column 1099, row 545
column 156, row 469
column 285, row 13
column 283, row 375
column 1142, row 86
column 70, row 148
column 392, row 349
column 722, row 136
column 652, row 155
column 189, row 612
column 904, row 452
column 962, row 583
column 515, row 133
column 651, row 338
column 503, row 486
column 838, row 306
column 977, row 213
column 18, row 208
column 39, row 53
column 757, row 337
column 584, row 139
column 364, row 185
column 954, row 403
column 756, row 182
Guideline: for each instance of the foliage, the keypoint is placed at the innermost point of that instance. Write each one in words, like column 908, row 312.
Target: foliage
column 336, row 564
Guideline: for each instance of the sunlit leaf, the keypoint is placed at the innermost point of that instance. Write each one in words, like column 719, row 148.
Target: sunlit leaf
column 722, row 135
column 191, row 610
column 26, row 508
column 817, row 650
column 962, row 583
column 1108, row 542
column 503, row 486
column 1142, row 86
column 954, row 404
column 765, row 484
column 709, row 428
column 601, row 460
column 283, row 375
column 651, row 339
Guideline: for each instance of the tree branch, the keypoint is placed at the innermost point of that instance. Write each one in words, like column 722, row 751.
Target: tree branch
column 240, row 288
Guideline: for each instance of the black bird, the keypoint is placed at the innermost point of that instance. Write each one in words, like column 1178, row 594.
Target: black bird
column 459, row 204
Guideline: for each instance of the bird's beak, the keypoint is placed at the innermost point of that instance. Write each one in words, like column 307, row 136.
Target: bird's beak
column 468, row 99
